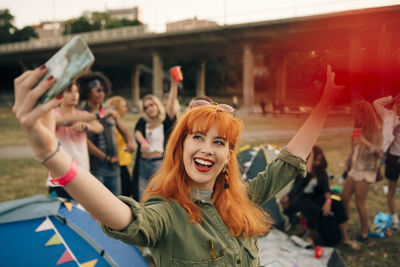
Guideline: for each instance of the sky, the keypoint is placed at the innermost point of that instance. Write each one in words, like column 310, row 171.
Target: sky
column 156, row 13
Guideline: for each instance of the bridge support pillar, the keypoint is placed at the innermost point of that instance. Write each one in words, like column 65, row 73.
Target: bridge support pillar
column 383, row 56
column 135, row 82
column 248, row 77
column 201, row 79
column 356, row 56
column 157, row 76
column 280, row 89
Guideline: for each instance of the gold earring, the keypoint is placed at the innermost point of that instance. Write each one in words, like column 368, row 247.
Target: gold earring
column 226, row 182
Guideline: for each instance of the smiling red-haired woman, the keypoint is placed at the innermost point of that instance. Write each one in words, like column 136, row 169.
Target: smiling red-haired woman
column 230, row 194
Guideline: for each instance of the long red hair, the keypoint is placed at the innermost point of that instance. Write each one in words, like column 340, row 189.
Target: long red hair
column 239, row 213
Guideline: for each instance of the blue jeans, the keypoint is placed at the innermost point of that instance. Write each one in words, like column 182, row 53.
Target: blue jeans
column 147, row 168
column 112, row 182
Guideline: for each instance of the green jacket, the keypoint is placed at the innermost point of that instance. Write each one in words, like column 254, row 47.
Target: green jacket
column 162, row 224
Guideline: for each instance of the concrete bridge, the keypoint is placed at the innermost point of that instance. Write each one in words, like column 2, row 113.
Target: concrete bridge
column 373, row 30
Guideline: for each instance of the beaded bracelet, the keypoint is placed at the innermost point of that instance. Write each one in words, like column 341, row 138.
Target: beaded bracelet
column 51, row 155
column 329, row 201
column 68, row 177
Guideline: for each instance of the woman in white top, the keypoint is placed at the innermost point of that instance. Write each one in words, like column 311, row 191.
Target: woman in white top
column 151, row 132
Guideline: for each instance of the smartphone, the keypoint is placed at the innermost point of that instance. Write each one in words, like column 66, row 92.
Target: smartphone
column 73, row 58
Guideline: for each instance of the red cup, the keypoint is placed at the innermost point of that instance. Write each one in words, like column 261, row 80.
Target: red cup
column 318, row 252
column 176, row 73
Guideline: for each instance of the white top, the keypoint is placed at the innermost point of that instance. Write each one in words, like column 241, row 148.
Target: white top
column 155, row 137
column 395, row 147
column 389, row 119
column 72, row 142
column 310, row 188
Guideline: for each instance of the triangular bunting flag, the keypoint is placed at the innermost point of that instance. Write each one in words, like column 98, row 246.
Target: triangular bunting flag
column 68, row 205
column 54, row 240
column 45, row 225
column 91, row 263
column 66, row 257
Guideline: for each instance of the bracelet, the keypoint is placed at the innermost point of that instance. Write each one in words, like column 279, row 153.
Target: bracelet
column 51, row 155
column 100, row 114
column 68, row 177
column 329, row 201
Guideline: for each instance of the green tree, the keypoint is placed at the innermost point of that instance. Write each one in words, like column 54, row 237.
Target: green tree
column 24, row 34
column 99, row 20
column 6, row 27
column 81, row 24
column 116, row 23
column 96, row 21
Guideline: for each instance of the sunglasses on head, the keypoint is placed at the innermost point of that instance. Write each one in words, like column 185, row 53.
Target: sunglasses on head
column 94, row 84
column 224, row 107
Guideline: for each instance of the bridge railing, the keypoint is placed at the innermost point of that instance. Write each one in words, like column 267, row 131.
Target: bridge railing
column 93, row 37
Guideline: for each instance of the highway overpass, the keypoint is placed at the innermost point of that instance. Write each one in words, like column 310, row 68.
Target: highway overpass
column 373, row 31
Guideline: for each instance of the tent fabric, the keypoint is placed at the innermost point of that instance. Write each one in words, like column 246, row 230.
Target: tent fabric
column 39, row 231
column 27, row 208
column 254, row 159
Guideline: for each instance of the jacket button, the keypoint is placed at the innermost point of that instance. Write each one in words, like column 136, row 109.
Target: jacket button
column 238, row 261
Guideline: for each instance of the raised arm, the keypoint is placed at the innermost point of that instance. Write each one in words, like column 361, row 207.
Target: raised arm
column 305, row 138
column 87, row 121
column 379, row 105
column 173, row 95
column 38, row 124
column 71, row 119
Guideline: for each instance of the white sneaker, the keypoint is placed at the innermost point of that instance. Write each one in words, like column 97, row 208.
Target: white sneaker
column 395, row 226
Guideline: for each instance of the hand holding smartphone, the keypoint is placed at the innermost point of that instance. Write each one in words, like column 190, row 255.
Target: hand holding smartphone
column 72, row 59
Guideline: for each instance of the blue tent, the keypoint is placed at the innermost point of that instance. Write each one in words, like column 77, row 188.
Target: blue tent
column 254, row 159
column 39, row 231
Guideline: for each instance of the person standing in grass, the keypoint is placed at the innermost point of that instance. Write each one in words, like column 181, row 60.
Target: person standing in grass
column 151, row 132
column 365, row 163
column 125, row 157
column 71, row 127
column 103, row 148
column 391, row 144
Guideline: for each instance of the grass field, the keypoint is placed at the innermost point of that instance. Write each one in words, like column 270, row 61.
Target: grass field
column 25, row 177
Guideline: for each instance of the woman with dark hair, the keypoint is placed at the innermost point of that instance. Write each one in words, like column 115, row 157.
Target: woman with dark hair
column 365, row 163
column 196, row 211
column 103, row 147
column 312, row 197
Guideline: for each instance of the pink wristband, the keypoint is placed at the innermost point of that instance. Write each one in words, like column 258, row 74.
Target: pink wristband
column 144, row 141
column 68, row 177
column 329, row 201
column 101, row 113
